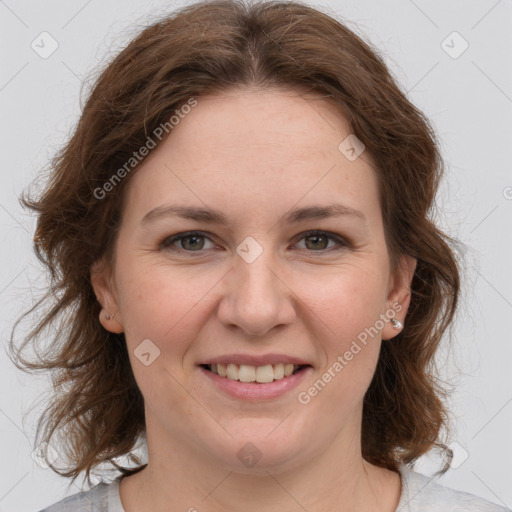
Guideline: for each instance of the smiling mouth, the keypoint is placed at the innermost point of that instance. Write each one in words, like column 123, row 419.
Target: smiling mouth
column 258, row 374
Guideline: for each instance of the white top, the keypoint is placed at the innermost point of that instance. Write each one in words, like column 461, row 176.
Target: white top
column 419, row 494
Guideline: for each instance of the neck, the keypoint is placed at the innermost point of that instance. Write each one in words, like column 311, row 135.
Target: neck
column 338, row 479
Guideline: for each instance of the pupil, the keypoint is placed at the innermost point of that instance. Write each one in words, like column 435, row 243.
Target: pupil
column 193, row 237
column 317, row 237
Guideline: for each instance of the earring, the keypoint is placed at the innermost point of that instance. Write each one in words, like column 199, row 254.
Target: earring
column 397, row 324
column 108, row 317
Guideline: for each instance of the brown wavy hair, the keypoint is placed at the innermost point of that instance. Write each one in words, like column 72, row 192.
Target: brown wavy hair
column 209, row 47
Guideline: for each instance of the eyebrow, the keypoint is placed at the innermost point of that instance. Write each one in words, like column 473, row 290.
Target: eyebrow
column 211, row 216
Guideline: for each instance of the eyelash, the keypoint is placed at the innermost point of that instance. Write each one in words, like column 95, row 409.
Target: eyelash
column 166, row 243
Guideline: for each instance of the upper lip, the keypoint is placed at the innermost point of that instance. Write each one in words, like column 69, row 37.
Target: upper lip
column 253, row 360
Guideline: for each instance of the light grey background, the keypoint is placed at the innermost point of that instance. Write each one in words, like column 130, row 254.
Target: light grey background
column 468, row 98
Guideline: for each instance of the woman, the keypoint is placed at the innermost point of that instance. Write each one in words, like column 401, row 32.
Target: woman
column 245, row 274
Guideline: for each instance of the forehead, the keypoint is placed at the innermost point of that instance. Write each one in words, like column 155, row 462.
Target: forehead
column 262, row 148
column 239, row 122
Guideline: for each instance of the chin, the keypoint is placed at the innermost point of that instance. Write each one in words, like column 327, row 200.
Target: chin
column 255, row 452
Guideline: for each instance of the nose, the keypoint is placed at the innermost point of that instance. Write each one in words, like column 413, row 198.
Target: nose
column 256, row 297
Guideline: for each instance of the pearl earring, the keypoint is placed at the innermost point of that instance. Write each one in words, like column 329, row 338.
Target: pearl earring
column 396, row 323
column 108, row 317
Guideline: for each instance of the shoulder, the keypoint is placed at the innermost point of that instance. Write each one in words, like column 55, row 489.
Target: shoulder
column 97, row 499
column 421, row 493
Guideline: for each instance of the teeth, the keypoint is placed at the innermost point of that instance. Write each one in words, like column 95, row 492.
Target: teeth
column 248, row 373
column 221, row 369
column 264, row 373
column 232, row 372
column 278, row 371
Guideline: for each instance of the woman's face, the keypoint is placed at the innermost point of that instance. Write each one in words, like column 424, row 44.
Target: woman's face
column 256, row 289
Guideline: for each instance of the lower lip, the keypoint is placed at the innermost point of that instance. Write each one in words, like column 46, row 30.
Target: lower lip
column 255, row 390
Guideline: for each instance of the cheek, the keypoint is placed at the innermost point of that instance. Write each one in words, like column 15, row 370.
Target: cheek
column 349, row 303
column 161, row 305
column 165, row 304
column 348, row 299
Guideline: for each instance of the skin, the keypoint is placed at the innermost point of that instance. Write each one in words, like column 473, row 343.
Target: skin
column 254, row 154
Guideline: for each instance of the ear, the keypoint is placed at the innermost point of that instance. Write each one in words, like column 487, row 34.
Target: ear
column 105, row 293
column 399, row 295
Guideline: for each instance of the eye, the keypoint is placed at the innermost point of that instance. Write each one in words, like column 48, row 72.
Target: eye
column 318, row 241
column 194, row 241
